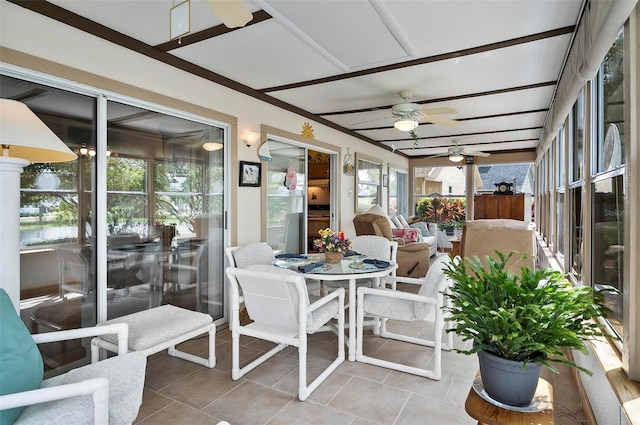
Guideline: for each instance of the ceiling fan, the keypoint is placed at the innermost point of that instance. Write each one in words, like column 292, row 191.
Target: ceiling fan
column 457, row 153
column 232, row 13
column 408, row 114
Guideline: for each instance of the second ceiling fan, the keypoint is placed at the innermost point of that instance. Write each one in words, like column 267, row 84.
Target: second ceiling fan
column 457, row 153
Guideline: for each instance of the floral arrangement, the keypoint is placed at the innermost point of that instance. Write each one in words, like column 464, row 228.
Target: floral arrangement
column 331, row 241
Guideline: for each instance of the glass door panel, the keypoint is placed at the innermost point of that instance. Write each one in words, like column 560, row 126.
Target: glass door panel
column 286, row 201
column 165, row 239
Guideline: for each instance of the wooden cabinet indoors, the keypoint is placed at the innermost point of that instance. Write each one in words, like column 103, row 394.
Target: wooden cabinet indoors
column 502, row 206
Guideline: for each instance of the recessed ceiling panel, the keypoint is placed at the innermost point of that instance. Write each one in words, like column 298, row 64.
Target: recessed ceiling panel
column 441, row 26
column 251, row 56
column 351, row 31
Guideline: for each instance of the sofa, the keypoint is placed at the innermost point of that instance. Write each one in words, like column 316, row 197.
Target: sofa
column 427, row 231
column 413, row 258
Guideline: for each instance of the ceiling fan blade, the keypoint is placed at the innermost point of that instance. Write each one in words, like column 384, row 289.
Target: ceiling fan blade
column 439, row 120
column 232, row 13
column 476, row 153
column 368, row 121
column 438, row 155
column 438, row 111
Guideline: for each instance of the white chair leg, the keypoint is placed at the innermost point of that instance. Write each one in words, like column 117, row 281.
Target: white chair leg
column 303, row 392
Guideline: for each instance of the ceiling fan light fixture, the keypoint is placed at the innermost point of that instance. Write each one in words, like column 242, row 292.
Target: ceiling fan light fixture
column 405, row 124
column 455, row 157
column 212, row 146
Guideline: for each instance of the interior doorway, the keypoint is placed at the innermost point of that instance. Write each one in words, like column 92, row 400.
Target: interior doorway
column 298, row 201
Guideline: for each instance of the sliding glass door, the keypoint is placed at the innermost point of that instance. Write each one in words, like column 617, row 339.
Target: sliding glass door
column 299, row 199
column 134, row 222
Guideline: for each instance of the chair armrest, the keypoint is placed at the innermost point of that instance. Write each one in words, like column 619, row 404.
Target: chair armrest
column 322, row 301
column 400, row 241
column 120, row 329
column 391, row 293
column 96, row 387
column 414, row 246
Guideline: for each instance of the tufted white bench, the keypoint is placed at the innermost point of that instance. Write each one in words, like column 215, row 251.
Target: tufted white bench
column 159, row 328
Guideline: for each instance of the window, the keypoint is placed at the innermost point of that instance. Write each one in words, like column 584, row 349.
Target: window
column 608, row 243
column 607, row 188
column 560, row 211
column 608, row 151
column 576, row 143
column 368, row 182
column 576, row 229
column 559, row 158
column 398, row 192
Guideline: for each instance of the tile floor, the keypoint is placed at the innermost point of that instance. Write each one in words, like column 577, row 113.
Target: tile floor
column 180, row 392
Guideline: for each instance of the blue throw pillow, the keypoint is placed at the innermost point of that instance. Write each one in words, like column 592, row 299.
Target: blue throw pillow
column 20, row 360
column 424, row 230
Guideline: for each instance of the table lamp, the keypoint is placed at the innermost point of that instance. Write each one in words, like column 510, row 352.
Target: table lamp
column 25, row 139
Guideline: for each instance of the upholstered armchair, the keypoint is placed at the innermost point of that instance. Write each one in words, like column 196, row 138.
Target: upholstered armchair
column 483, row 238
column 106, row 392
column 413, row 258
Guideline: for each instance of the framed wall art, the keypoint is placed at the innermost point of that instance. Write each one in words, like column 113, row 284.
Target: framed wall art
column 250, row 174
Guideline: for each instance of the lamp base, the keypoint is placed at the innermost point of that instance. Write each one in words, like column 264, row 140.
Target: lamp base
column 10, row 170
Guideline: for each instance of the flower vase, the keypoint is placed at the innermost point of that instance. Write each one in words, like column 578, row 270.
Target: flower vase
column 333, row 256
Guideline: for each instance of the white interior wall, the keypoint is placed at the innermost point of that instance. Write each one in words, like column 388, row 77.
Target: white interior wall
column 36, row 35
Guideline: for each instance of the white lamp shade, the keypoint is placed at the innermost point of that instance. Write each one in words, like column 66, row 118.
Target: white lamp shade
column 28, row 137
column 456, row 157
column 405, row 124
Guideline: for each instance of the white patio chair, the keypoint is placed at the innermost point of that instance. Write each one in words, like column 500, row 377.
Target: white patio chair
column 399, row 305
column 106, row 392
column 372, row 246
column 246, row 255
column 282, row 312
column 243, row 256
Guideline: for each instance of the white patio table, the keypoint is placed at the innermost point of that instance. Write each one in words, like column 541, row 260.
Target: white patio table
column 350, row 269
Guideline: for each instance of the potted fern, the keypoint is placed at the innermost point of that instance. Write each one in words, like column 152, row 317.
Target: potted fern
column 519, row 322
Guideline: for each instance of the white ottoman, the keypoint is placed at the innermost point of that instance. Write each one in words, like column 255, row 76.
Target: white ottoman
column 159, row 328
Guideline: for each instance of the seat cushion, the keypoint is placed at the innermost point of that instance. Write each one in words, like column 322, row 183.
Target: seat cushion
column 154, row 326
column 21, row 366
column 390, row 308
column 126, row 382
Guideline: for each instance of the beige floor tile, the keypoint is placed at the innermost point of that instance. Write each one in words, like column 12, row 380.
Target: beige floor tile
column 167, row 370
column 249, row 404
column 323, row 393
column 223, row 356
column 180, row 414
column 425, row 410
column 273, row 371
column 364, row 371
column 370, row 400
column 309, row 413
column 151, row 403
column 419, row 385
column 201, row 388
